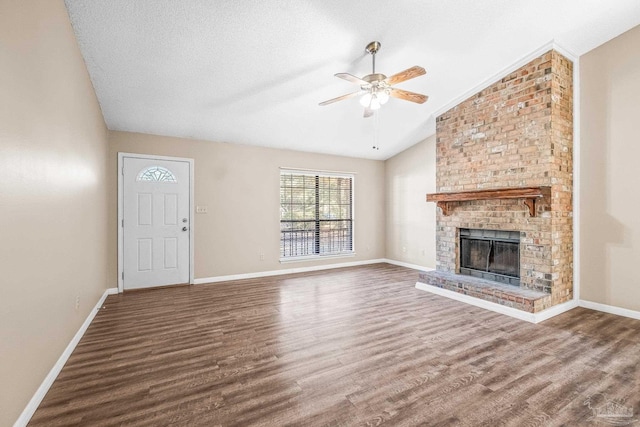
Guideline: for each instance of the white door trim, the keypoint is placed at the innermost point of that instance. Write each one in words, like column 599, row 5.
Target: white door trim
column 121, row 157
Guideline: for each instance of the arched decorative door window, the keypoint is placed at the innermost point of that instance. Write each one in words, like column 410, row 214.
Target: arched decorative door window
column 156, row 174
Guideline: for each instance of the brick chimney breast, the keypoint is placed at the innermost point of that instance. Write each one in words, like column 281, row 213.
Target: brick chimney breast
column 518, row 132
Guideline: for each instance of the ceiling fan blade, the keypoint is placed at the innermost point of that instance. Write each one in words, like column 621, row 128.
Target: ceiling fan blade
column 368, row 112
column 408, row 96
column 340, row 98
column 407, row 74
column 351, row 78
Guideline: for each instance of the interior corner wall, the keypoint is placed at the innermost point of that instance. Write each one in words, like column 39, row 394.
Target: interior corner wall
column 240, row 186
column 609, row 179
column 53, row 147
column 411, row 221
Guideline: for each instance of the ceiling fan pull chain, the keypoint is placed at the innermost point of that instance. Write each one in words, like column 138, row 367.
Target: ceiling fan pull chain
column 376, row 131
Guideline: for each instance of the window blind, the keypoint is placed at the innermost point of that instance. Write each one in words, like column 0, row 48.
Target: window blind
column 316, row 214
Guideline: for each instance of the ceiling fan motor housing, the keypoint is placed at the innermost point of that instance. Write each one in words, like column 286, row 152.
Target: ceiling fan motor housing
column 371, row 78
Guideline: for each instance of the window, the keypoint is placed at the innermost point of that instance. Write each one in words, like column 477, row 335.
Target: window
column 156, row 173
column 316, row 214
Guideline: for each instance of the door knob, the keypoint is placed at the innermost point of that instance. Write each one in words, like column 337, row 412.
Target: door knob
column 184, row 220
column 184, row 228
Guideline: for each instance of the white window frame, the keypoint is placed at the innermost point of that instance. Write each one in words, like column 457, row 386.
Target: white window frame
column 314, row 172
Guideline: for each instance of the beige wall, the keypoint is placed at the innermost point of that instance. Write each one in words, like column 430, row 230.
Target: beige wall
column 58, row 193
column 239, row 184
column 609, row 179
column 53, row 146
column 411, row 221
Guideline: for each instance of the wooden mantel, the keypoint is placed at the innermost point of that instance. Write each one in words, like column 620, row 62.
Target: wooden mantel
column 529, row 194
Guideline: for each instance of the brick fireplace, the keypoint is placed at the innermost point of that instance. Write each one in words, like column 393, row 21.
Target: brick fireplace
column 504, row 164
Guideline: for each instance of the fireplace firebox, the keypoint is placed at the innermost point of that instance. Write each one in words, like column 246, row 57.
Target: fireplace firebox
column 490, row 254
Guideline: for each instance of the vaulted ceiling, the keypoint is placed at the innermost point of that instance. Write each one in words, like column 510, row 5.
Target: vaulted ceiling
column 253, row 72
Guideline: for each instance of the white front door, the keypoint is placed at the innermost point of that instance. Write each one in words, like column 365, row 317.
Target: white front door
column 155, row 222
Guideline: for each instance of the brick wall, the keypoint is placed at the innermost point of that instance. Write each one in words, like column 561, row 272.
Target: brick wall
column 518, row 132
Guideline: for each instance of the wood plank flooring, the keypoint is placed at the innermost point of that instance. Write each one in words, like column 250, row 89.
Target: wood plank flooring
column 353, row 346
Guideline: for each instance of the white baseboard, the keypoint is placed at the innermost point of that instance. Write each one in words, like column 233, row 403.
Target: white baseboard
column 488, row 305
column 555, row 310
column 509, row 311
column 610, row 309
column 259, row 274
column 35, row 401
column 406, row 264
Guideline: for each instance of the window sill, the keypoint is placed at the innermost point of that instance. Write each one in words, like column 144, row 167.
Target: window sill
column 316, row 257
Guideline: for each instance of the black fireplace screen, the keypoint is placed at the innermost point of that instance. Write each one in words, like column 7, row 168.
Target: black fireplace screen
column 490, row 254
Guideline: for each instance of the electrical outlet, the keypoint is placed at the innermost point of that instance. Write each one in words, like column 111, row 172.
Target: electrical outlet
column 201, row 209
column 404, row 249
column 261, row 257
column 77, row 302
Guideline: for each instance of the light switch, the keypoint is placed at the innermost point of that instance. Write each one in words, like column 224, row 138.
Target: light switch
column 201, row 209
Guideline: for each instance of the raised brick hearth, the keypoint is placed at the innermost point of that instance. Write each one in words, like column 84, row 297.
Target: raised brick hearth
column 516, row 133
column 507, row 295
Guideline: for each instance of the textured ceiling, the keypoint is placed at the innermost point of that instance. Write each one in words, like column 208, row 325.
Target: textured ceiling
column 253, row 72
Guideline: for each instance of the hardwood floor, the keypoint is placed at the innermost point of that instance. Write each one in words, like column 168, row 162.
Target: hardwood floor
column 353, row 346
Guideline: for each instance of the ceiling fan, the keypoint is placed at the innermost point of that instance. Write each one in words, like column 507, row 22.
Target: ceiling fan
column 376, row 88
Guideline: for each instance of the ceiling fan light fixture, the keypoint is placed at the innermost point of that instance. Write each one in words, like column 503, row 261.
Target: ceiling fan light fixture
column 382, row 96
column 374, row 98
column 365, row 100
column 375, row 102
